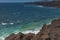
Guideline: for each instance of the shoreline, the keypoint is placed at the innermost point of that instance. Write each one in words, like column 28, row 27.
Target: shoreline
column 35, row 31
column 47, row 4
column 44, row 33
column 43, row 4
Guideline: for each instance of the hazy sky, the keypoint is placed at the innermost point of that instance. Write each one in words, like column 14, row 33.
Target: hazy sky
column 18, row 0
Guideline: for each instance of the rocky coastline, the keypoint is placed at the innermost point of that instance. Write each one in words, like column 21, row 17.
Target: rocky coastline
column 48, row 32
column 49, row 4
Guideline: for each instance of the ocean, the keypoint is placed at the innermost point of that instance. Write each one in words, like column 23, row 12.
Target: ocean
column 25, row 18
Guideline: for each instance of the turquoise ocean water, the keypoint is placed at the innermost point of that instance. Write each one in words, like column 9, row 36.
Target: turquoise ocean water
column 19, row 17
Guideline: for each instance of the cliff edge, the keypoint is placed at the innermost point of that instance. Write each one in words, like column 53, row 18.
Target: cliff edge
column 48, row 32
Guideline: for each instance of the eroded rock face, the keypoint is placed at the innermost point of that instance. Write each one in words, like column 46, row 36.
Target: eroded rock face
column 29, row 36
column 11, row 37
column 18, row 36
column 48, row 32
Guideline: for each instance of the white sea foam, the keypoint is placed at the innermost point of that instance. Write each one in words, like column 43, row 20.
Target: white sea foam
column 32, row 31
column 7, row 23
column 25, row 32
column 11, row 23
column 48, row 23
column 40, row 6
column 3, row 23
column 1, row 38
column 28, row 31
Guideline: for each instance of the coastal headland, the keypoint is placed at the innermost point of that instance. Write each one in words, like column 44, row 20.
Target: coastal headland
column 49, row 4
column 48, row 32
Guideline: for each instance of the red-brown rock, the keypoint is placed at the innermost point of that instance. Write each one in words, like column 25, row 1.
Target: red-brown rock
column 48, row 32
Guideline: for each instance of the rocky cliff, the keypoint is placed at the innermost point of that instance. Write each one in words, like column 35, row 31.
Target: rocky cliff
column 49, row 4
column 48, row 32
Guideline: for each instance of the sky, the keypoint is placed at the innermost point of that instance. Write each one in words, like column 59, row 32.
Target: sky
column 18, row 0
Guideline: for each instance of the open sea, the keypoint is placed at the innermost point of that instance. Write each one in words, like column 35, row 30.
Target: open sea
column 20, row 17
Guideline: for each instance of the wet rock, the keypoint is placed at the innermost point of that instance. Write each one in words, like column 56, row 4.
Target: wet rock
column 11, row 37
column 18, row 36
column 29, row 36
column 48, row 32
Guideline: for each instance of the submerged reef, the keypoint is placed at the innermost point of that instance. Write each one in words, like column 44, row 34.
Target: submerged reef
column 48, row 32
